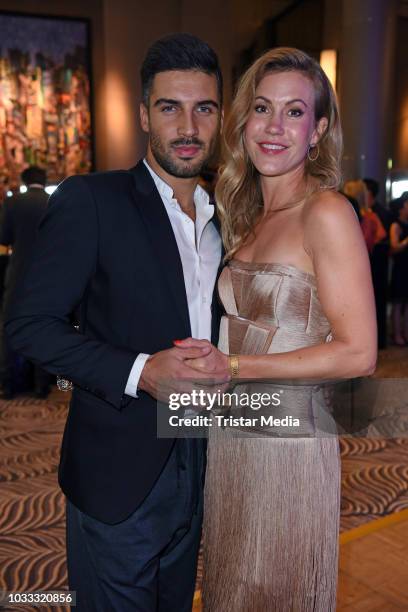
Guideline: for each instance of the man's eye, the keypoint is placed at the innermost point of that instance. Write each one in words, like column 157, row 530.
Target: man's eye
column 168, row 108
column 295, row 112
column 261, row 108
column 204, row 109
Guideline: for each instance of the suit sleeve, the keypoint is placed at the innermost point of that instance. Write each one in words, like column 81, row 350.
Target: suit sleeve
column 63, row 264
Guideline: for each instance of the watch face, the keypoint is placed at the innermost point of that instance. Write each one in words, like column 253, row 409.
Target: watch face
column 63, row 384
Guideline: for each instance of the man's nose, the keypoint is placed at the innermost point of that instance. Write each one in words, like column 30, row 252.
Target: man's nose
column 188, row 125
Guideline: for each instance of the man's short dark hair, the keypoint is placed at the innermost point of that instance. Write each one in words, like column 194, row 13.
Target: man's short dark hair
column 179, row 52
column 372, row 186
column 34, row 175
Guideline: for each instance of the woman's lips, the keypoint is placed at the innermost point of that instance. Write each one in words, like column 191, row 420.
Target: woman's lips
column 269, row 148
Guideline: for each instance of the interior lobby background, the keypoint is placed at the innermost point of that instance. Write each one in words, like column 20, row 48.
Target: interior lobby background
column 369, row 36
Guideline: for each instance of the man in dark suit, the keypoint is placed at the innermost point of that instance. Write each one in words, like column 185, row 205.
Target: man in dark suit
column 20, row 219
column 137, row 253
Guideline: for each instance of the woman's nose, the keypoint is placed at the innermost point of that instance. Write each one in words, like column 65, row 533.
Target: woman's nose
column 275, row 124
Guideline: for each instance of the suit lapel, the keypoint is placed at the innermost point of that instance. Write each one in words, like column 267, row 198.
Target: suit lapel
column 160, row 233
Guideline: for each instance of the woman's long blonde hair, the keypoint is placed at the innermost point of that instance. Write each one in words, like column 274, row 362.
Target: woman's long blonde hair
column 238, row 192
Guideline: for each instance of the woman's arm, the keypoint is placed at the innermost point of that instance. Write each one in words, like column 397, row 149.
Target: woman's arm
column 397, row 246
column 334, row 241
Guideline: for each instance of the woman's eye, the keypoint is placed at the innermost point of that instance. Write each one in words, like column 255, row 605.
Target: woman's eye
column 295, row 112
column 260, row 108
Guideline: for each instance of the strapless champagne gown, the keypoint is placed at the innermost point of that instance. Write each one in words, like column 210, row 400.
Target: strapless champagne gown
column 272, row 503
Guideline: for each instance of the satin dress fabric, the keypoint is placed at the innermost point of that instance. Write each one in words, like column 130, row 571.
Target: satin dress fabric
column 272, row 495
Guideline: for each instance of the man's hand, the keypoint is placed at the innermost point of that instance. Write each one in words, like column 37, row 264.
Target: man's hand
column 168, row 371
column 214, row 363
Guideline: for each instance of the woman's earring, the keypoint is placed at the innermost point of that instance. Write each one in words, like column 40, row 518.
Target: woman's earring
column 309, row 157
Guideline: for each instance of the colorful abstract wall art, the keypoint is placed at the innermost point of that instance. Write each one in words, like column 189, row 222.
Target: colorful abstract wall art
column 45, row 109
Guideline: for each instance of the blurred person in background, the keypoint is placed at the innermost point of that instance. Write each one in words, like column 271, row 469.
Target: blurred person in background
column 375, row 237
column 4, row 259
column 379, row 258
column 20, row 218
column 373, row 229
column 384, row 214
column 4, row 250
column 354, row 204
column 399, row 279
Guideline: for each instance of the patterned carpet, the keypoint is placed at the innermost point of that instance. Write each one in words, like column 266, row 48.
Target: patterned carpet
column 375, row 483
column 374, row 479
column 32, row 508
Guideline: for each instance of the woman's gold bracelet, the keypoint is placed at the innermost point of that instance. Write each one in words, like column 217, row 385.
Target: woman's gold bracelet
column 234, row 366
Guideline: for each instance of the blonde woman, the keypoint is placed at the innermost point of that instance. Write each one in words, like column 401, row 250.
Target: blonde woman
column 373, row 229
column 299, row 304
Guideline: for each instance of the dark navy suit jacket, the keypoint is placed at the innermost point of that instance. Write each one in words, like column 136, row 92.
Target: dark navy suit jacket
column 106, row 242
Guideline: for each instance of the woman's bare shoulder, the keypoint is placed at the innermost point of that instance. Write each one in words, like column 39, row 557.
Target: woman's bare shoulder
column 330, row 219
column 328, row 207
column 327, row 202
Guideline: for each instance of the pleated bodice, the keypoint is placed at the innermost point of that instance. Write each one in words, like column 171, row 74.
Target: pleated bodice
column 271, row 308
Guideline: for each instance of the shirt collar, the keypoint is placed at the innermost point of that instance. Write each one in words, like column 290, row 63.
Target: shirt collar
column 201, row 197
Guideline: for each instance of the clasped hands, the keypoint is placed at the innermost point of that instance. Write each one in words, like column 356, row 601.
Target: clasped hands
column 214, row 363
column 188, row 363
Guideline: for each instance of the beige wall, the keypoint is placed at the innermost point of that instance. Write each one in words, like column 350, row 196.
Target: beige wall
column 129, row 28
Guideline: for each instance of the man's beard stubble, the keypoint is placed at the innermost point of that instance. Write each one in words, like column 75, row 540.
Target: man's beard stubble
column 180, row 168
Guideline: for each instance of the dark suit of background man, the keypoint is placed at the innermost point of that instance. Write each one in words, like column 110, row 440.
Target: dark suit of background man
column 138, row 253
column 20, row 219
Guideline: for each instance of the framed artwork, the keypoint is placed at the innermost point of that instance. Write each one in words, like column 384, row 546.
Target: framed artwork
column 45, row 96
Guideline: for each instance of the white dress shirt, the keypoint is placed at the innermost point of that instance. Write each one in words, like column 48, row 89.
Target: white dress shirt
column 199, row 245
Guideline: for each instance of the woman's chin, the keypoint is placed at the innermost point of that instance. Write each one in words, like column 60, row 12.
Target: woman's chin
column 275, row 170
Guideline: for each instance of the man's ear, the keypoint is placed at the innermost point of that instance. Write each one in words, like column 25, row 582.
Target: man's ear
column 144, row 117
column 319, row 130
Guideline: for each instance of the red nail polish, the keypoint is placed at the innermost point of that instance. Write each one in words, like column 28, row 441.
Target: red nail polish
column 176, row 341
